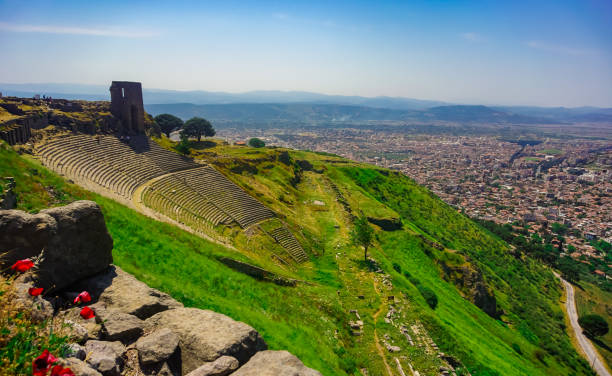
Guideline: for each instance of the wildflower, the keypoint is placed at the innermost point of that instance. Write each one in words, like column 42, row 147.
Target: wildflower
column 41, row 365
column 83, row 297
column 59, row 371
column 22, row 265
column 35, row 291
column 87, row 313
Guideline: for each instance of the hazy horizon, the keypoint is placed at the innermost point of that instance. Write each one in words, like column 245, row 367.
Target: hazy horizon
column 548, row 54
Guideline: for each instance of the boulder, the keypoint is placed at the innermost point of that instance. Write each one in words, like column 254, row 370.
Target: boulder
column 105, row 357
column 273, row 363
column 80, row 329
column 205, row 336
column 119, row 326
column 24, row 235
column 157, row 346
column 78, row 367
column 120, row 291
column 80, row 248
column 220, row 367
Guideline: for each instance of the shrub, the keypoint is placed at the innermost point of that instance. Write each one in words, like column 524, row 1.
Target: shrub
column 517, row 348
column 397, row 267
column 430, row 297
column 594, row 325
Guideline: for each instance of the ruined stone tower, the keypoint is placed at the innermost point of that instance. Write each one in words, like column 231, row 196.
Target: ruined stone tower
column 127, row 106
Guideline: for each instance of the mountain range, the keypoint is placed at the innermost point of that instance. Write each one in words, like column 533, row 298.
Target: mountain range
column 267, row 106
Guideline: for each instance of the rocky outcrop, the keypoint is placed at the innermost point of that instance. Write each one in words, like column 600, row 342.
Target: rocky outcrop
column 274, row 363
column 80, row 248
column 206, row 335
column 117, row 290
column 136, row 329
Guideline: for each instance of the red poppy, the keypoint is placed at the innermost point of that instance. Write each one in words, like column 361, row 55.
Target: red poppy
column 87, row 313
column 22, row 265
column 59, row 371
column 35, row 291
column 83, row 297
column 41, row 365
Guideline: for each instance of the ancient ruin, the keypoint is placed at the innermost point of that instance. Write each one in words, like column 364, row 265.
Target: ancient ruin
column 127, row 105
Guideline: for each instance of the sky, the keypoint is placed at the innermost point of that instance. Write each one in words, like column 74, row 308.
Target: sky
column 544, row 53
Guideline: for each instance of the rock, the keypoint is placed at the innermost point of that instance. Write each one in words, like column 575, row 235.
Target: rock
column 118, row 290
column 205, row 336
column 77, row 332
column 24, row 235
column 39, row 308
column 119, row 326
column 72, row 316
column 157, row 346
column 220, row 367
column 273, row 363
column 79, row 367
column 80, row 248
column 75, row 350
column 105, row 356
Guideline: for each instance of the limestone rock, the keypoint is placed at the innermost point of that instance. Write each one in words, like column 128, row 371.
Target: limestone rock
column 78, row 324
column 24, row 235
column 273, row 363
column 106, row 357
column 157, row 346
column 79, row 367
column 75, row 350
column 220, row 367
column 119, row 326
column 118, row 290
column 80, row 248
column 205, row 336
column 40, row 309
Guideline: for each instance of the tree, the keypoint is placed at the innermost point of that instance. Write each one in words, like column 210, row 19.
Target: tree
column 569, row 270
column 183, row 146
column 594, row 325
column 198, row 127
column 362, row 234
column 256, row 143
column 167, row 123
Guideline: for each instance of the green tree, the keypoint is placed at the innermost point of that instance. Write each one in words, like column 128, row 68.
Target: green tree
column 594, row 325
column 362, row 234
column 183, row 146
column 256, row 143
column 569, row 270
column 198, row 127
column 167, row 123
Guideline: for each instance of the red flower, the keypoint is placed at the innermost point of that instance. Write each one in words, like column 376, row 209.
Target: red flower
column 87, row 313
column 59, row 371
column 41, row 365
column 35, row 291
column 83, row 297
column 22, row 265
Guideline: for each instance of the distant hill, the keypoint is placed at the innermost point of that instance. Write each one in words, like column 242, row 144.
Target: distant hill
column 310, row 113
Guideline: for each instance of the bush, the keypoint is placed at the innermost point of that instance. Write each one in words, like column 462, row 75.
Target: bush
column 397, row 267
column 430, row 297
column 517, row 348
column 256, row 143
column 594, row 325
column 412, row 280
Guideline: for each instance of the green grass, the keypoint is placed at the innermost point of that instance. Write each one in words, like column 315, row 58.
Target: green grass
column 311, row 320
column 550, row 151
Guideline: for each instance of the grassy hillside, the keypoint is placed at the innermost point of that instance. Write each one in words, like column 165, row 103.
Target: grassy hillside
column 311, row 320
column 591, row 299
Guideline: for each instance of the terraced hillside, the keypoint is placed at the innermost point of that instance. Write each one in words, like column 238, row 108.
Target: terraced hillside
column 192, row 194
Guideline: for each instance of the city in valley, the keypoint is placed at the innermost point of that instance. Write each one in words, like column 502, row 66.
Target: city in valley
column 558, row 190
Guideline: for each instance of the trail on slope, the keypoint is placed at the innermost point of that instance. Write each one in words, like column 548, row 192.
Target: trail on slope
column 379, row 348
column 585, row 344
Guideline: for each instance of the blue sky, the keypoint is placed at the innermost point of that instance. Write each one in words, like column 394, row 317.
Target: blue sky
column 492, row 52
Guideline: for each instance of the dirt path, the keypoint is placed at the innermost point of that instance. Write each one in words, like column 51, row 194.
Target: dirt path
column 379, row 348
column 587, row 347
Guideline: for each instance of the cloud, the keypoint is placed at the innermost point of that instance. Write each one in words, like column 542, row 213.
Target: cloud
column 472, row 37
column 559, row 49
column 103, row 32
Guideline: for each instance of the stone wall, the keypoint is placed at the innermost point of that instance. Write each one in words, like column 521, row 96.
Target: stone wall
column 136, row 329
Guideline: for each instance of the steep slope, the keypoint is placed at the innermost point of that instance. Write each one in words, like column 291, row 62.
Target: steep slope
column 350, row 314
